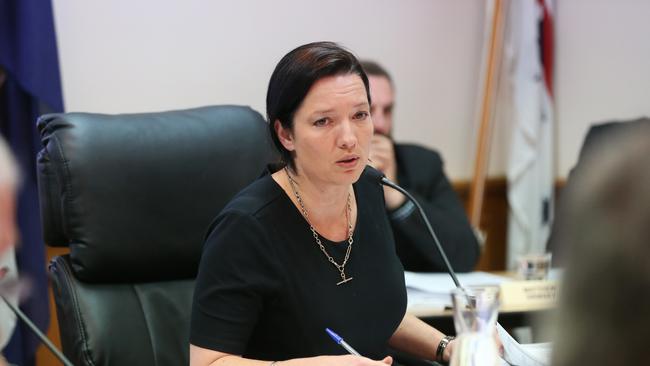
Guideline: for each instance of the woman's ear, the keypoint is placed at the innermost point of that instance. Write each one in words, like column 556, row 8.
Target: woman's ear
column 284, row 135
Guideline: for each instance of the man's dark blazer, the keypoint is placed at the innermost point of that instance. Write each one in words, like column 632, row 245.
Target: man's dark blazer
column 420, row 172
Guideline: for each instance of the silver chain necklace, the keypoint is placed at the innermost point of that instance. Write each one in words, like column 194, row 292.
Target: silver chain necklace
column 339, row 267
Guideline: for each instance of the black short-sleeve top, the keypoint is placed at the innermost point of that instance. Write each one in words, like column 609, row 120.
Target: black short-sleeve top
column 266, row 291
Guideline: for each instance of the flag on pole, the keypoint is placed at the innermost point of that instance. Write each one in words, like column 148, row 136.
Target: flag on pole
column 31, row 87
column 528, row 59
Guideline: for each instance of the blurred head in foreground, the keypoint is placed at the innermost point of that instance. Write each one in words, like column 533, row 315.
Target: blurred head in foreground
column 604, row 225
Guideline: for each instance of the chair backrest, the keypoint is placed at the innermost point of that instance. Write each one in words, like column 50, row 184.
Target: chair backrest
column 132, row 196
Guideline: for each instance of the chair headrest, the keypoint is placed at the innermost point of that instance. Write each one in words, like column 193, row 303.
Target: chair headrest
column 132, row 195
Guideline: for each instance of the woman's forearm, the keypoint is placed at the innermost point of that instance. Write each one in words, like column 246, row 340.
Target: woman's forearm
column 205, row 357
column 416, row 337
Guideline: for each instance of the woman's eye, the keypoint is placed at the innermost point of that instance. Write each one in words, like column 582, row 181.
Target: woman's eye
column 320, row 122
column 361, row 115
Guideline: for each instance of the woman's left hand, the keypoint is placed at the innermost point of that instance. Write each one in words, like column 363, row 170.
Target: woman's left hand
column 449, row 350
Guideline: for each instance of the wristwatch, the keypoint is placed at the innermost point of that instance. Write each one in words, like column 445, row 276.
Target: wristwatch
column 441, row 348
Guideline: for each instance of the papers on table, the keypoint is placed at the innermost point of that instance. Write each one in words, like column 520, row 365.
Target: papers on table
column 479, row 349
column 433, row 290
column 533, row 354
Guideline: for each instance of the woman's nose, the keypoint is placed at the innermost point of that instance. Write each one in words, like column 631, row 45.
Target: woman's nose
column 347, row 136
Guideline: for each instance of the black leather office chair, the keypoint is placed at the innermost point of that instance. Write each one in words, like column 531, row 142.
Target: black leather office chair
column 132, row 196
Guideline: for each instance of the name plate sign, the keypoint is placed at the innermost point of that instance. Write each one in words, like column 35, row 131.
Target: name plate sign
column 529, row 294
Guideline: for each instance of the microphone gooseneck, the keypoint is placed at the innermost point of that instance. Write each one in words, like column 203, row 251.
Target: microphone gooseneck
column 37, row 332
column 387, row 182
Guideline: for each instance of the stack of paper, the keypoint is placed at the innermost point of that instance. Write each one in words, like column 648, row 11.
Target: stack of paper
column 433, row 290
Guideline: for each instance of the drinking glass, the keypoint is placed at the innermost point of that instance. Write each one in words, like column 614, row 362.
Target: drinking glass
column 534, row 266
column 475, row 317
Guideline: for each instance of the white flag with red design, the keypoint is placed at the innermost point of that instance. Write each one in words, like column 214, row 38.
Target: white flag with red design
column 528, row 61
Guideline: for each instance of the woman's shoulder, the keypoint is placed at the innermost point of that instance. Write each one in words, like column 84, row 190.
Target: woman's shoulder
column 256, row 197
column 249, row 205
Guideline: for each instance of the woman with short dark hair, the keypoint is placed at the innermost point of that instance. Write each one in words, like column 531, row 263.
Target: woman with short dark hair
column 308, row 246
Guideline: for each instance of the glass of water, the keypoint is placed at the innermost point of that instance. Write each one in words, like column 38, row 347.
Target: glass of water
column 475, row 317
column 534, row 266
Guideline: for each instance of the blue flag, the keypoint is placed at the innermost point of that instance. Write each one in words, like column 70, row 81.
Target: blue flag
column 31, row 87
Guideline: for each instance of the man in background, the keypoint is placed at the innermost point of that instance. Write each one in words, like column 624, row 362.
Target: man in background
column 420, row 172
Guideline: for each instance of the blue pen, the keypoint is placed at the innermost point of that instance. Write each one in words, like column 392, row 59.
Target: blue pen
column 341, row 342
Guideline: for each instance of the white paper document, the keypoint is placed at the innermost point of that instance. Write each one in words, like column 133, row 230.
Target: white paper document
column 434, row 289
column 515, row 354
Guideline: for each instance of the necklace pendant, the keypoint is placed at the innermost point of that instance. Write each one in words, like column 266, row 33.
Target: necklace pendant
column 344, row 281
column 339, row 267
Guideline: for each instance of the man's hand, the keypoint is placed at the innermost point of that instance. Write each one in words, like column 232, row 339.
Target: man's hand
column 382, row 157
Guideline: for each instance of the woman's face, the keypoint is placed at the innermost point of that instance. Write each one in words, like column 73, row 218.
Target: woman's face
column 332, row 129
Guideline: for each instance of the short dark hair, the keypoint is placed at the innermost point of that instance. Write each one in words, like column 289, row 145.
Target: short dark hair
column 293, row 77
column 375, row 69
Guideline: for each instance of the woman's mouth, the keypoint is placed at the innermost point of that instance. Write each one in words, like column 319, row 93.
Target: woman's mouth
column 348, row 162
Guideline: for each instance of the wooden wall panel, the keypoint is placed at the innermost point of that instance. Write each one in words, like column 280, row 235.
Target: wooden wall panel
column 494, row 221
column 43, row 356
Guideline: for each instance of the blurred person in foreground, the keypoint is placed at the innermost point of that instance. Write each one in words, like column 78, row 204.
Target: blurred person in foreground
column 308, row 246
column 8, row 183
column 8, row 238
column 419, row 171
column 604, row 230
column 598, row 135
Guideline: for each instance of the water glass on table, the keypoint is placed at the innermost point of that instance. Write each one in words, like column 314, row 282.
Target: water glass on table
column 475, row 317
column 532, row 267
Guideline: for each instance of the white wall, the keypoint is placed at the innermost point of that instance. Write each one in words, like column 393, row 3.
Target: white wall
column 129, row 56
column 602, row 68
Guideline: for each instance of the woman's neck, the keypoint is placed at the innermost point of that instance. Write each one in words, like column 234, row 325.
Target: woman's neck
column 326, row 205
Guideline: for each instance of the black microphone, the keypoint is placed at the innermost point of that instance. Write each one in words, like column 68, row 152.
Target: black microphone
column 374, row 173
column 387, row 182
